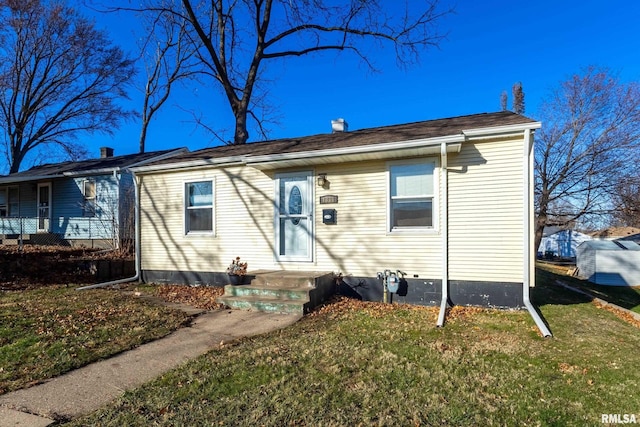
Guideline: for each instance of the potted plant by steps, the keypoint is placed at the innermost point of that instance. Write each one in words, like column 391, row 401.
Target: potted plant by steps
column 237, row 271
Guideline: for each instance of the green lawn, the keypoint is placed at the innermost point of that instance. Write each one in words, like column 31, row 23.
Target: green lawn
column 355, row 363
column 47, row 331
column 624, row 296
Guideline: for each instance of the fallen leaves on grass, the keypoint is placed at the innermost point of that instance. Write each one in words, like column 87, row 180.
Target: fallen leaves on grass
column 622, row 314
column 204, row 297
column 341, row 305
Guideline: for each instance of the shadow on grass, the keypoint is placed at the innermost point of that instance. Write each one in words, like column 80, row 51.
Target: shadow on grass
column 547, row 291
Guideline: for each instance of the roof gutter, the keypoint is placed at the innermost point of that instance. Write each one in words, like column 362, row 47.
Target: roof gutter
column 8, row 180
column 136, row 215
column 501, row 130
column 193, row 164
column 389, row 146
column 102, row 171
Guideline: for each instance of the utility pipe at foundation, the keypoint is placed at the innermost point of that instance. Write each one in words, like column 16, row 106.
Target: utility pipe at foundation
column 444, row 229
column 136, row 239
column 527, row 261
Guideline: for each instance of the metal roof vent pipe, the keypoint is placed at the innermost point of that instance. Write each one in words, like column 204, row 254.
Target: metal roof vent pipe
column 339, row 125
column 106, row 152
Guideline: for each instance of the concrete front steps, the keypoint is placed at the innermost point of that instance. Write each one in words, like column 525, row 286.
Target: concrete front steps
column 287, row 292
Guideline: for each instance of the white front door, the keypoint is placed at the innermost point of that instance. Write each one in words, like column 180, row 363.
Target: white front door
column 294, row 216
column 44, row 207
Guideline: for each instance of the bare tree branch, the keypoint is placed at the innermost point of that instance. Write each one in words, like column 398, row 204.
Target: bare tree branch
column 591, row 128
column 233, row 39
column 60, row 78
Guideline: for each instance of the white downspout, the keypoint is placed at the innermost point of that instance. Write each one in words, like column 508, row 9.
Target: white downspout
column 444, row 229
column 528, row 219
column 136, row 239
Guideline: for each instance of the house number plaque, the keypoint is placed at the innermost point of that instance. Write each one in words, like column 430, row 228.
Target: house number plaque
column 328, row 199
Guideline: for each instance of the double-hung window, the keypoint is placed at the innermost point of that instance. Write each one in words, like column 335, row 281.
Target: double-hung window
column 9, row 202
column 89, row 194
column 199, row 213
column 411, row 191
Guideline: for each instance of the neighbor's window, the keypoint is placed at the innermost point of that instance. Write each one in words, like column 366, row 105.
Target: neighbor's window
column 199, row 207
column 411, row 189
column 89, row 193
column 4, row 202
column 9, row 202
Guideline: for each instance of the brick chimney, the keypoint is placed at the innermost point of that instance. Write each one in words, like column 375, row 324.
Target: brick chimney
column 106, row 152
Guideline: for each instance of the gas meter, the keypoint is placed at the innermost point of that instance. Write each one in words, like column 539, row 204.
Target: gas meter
column 390, row 282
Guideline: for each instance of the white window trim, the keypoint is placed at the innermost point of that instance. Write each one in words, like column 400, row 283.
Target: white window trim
column 93, row 199
column 185, row 208
column 436, row 197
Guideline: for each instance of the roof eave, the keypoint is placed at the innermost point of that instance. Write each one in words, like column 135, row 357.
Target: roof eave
column 91, row 172
column 505, row 130
column 192, row 164
column 387, row 150
column 16, row 180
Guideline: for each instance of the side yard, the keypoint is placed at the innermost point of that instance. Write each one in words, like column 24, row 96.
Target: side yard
column 354, row 363
column 623, row 296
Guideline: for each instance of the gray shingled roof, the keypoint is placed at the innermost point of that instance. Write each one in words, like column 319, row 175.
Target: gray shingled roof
column 107, row 163
column 370, row 136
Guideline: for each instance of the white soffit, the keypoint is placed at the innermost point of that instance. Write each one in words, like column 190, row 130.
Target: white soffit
column 355, row 154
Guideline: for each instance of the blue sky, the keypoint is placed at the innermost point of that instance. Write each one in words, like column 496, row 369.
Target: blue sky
column 491, row 45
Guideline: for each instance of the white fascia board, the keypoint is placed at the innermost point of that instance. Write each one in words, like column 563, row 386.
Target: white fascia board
column 371, row 148
column 10, row 180
column 498, row 130
column 193, row 164
column 91, row 172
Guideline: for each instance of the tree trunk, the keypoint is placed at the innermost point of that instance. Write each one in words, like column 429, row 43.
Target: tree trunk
column 541, row 222
column 16, row 157
column 143, row 135
column 241, row 135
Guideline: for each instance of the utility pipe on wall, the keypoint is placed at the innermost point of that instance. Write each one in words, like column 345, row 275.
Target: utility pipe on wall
column 136, row 216
column 528, row 218
column 444, row 229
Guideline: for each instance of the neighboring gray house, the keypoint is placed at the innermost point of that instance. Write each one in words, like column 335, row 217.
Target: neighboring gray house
column 87, row 202
column 609, row 262
column 562, row 243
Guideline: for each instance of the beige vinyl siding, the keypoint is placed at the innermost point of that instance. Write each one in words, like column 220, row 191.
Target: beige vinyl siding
column 485, row 220
column 486, row 212
column 239, row 230
column 359, row 244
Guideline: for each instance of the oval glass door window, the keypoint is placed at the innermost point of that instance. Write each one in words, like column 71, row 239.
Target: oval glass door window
column 295, row 204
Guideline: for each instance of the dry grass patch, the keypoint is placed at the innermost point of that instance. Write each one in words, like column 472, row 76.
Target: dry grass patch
column 355, row 363
column 48, row 331
column 204, row 297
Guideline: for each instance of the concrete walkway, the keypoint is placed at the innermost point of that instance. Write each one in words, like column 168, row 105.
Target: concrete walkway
column 86, row 389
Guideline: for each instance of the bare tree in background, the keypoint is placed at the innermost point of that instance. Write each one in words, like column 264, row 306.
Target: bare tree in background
column 626, row 197
column 60, row 77
column 591, row 131
column 168, row 55
column 503, row 100
column 518, row 98
column 235, row 38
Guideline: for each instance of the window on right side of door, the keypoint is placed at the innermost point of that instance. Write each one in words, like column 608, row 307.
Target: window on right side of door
column 411, row 195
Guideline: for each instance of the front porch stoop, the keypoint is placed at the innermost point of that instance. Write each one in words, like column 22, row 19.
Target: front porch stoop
column 287, row 292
